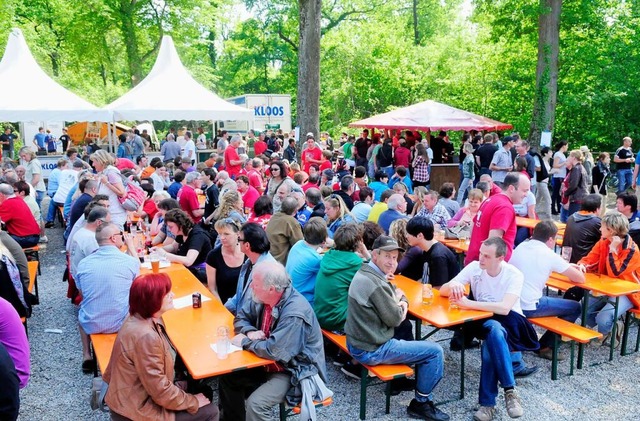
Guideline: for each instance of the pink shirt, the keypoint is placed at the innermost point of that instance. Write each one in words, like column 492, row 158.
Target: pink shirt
column 495, row 213
column 249, row 199
column 188, row 200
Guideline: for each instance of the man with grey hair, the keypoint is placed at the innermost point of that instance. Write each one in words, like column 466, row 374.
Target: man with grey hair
column 278, row 324
column 170, row 149
column 232, row 161
column 283, row 230
column 188, row 197
column 284, row 190
column 15, row 213
column 225, row 183
column 397, row 210
column 255, row 175
column 104, row 279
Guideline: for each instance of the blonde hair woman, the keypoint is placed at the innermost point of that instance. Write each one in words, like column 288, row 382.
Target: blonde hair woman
column 225, row 261
column 336, row 213
column 231, row 206
column 110, row 184
column 419, row 193
column 33, row 174
column 398, row 230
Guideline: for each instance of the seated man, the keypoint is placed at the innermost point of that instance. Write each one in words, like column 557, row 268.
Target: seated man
column 496, row 286
column 84, row 242
column 397, row 209
column 104, row 279
column 278, row 324
column 304, row 260
column 537, row 259
column 583, row 228
column 433, row 210
column 375, row 308
column 284, row 230
column 20, row 223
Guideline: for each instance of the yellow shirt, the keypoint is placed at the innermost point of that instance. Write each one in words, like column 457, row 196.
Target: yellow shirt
column 376, row 210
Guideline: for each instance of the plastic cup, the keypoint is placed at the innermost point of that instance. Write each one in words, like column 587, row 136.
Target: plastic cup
column 155, row 265
column 222, row 343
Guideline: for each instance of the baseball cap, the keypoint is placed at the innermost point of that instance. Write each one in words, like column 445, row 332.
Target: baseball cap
column 506, row 140
column 386, row 243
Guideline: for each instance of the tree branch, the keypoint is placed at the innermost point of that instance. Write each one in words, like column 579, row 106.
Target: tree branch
column 286, row 39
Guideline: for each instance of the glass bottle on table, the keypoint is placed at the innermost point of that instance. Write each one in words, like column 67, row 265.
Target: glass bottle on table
column 427, row 289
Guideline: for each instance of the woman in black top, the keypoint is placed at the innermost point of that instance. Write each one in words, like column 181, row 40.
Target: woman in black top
column 224, row 262
column 192, row 243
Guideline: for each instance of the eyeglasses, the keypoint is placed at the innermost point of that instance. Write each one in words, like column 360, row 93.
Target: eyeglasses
column 275, row 169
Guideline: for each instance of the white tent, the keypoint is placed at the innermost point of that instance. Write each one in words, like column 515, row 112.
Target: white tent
column 29, row 94
column 170, row 93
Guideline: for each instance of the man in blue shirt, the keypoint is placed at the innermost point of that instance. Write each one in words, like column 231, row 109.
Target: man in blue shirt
column 303, row 263
column 104, row 279
column 39, row 139
column 397, row 210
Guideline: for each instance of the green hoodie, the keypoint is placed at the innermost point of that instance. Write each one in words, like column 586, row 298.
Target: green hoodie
column 337, row 269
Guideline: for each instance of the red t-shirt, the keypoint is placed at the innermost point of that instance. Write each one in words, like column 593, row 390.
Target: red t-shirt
column 125, row 164
column 259, row 147
column 255, row 180
column 307, row 186
column 495, row 213
column 150, row 208
column 230, row 154
column 314, row 153
column 326, row 165
column 495, row 190
column 19, row 220
column 249, row 199
column 188, row 200
column 402, row 156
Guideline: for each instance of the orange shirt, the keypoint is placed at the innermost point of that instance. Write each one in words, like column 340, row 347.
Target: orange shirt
column 146, row 173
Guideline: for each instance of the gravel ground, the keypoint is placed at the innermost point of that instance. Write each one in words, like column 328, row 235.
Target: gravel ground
column 59, row 391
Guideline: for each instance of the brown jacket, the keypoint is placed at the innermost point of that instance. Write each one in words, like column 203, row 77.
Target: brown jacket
column 140, row 374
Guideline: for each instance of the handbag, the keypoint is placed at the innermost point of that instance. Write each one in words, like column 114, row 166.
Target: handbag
column 453, row 233
column 98, row 391
column 134, row 196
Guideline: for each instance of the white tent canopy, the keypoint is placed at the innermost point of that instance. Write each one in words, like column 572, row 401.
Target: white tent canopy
column 29, row 94
column 170, row 93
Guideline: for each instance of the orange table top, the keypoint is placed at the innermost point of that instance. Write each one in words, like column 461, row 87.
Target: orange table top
column 531, row 223
column 603, row 285
column 437, row 314
column 457, row 245
column 168, row 270
column 193, row 330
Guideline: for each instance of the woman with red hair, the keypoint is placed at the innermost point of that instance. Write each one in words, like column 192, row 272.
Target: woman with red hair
column 140, row 372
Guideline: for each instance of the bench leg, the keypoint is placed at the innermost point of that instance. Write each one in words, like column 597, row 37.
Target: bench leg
column 573, row 352
column 418, row 328
column 387, row 393
column 638, row 339
column 625, row 335
column 583, row 322
column 554, row 362
column 614, row 329
column 462, row 364
column 364, row 378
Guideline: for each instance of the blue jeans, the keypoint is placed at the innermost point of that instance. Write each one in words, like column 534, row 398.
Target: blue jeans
column 566, row 213
column 39, row 197
column 625, row 178
column 496, row 363
column 51, row 213
column 522, row 233
column 427, row 356
column 600, row 312
column 568, row 310
column 465, row 186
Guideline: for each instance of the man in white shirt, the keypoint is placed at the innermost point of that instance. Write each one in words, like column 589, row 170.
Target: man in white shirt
column 84, row 242
column 496, row 286
column 189, row 152
column 67, row 179
column 537, row 259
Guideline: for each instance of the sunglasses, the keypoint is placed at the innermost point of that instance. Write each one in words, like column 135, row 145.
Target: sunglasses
column 275, row 169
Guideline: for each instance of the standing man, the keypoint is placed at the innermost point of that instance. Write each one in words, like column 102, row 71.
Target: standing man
column 189, row 153
column 255, row 175
column 522, row 150
column 6, row 139
column 136, row 144
column 497, row 217
column 276, row 323
column 484, row 154
column 39, row 140
column 496, row 287
column 211, row 192
column 502, row 163
column 537, row 259
column 624, row 160
column 65, row 139
column 232, row 161
column 170, row 149
column 376, row 307
column 361, row 146
column 311, row 155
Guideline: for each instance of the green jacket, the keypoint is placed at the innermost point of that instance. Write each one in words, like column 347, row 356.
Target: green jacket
column 337, row 269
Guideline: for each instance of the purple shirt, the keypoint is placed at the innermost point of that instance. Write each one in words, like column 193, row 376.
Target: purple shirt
column 14, row 338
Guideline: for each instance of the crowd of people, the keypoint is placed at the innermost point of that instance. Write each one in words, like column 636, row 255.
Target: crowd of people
column 299, row 239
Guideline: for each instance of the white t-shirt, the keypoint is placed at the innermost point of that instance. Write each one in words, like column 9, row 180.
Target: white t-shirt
column 158, row 182
column 562, row 171
column 189, row 147
column 522, row 209
column 491, row 289
column 68, row 179
column 84, row 243
column 534, row 258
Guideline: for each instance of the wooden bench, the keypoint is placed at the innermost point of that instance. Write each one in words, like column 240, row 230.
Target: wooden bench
column 101, row 346
column 33, row 278
column 568, row 332
column 60, row 216
column 384, row 372
column 635, row 313
column 558, row 284
column 286, row 412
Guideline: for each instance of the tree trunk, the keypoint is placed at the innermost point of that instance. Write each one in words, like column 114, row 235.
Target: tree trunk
column 544, row 106
column 308, row 101
column 416, row 32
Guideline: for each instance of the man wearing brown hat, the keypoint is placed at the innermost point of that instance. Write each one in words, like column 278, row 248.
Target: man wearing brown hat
column 376, row 307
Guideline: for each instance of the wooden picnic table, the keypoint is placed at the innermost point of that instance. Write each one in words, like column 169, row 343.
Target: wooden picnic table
column 437, row 314
column 522, row 221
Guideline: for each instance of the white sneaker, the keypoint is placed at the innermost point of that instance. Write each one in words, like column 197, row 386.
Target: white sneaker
column 43, row 239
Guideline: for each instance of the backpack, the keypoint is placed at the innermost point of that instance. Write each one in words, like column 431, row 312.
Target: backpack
column 273, row 145
column 134, row 196
column 543, row 173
